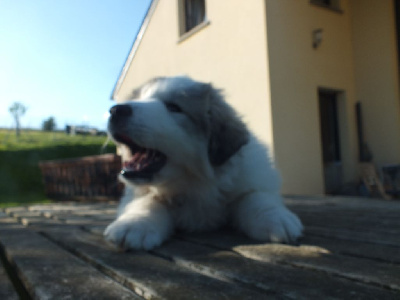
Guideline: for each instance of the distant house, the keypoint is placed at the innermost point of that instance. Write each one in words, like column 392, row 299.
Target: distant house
column 297, row 70
column 83, row 130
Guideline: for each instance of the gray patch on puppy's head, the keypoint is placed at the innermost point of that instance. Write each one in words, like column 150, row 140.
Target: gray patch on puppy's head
column 227, row 131
column 191, row 96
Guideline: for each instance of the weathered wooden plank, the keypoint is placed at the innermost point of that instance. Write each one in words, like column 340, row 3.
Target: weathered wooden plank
column 87, row 221
column 283, row 280
column 149, row 275
column 73, row 206
column 24, row 213
column 6, row 219
column 349, row 211
column 95, row 229
column 356, row 219
column 341, row 202
column 7, row 290
column 49, row 272
column 309, row 257
column 390, row 240
column 95, row 213
column 65, row 208
column 28, row 217
column 31, row 221
column 10, row 210
column 77, row 214
column 10, row 285
column 96, row 218
column 59, row 214
column 352, row 222
column 358, row 269
column 373, row 251
column 77, row 220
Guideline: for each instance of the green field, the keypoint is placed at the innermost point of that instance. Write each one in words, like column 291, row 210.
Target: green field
column 20, row 176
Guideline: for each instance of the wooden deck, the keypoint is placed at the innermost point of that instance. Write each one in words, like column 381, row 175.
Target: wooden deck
column 351, row 250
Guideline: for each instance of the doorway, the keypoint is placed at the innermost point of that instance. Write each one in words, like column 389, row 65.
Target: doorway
column 397, row 18
column 330, row 140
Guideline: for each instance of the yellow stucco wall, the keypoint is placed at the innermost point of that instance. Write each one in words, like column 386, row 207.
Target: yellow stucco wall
column 377, row 77
column 297, row 70
column 357, row 56
column 230, row 52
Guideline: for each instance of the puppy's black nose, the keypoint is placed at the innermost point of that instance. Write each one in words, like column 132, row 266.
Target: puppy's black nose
column 121, row 110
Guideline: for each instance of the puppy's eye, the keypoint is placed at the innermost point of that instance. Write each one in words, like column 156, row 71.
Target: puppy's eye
column 173, row 107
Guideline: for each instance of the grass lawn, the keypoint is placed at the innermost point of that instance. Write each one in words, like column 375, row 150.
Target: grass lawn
column 20, row 176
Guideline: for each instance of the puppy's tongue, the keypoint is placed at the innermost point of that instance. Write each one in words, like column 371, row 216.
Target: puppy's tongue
column 138, row 161
column 142, row 161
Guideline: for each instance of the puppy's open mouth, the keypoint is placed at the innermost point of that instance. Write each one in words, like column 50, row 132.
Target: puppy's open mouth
column 143, row 162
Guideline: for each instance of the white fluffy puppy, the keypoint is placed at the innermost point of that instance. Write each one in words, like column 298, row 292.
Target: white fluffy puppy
column 190, row 163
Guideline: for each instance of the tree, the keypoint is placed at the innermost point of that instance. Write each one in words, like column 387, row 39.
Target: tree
column 49, row 124
column 17, row 110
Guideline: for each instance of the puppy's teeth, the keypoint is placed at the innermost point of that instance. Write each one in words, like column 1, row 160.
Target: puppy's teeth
column 135, row 156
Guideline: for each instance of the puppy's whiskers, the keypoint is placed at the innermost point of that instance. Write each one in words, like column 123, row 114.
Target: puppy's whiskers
column 105, row 144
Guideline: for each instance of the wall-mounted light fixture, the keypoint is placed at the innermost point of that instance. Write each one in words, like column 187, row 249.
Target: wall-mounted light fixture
column 317, row 38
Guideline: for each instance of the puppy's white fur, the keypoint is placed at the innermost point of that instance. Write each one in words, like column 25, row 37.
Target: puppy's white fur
column 216, row 171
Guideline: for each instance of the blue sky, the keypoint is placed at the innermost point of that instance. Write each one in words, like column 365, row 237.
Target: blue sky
column 62, row 58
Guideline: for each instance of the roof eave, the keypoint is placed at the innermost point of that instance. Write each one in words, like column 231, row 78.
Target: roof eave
column 134, row 48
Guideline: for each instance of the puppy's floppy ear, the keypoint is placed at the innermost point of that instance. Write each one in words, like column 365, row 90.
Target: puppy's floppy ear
column 227, row 133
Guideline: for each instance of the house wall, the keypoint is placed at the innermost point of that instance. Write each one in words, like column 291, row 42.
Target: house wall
column 230, row 52
column 357, row 56
column 376, row 69
column 297, row 70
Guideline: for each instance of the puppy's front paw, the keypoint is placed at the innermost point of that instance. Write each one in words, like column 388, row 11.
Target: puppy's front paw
column 136, row 234
column 278, row 225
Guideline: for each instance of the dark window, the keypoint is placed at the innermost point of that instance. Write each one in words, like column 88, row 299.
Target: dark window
column 332, row 4
column 322, row 2
column 195, row 12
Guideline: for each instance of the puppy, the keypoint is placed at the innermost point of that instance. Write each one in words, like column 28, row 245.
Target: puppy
column 190, row 163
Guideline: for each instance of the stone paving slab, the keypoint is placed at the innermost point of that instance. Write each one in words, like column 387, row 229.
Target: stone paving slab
column 56, row 251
